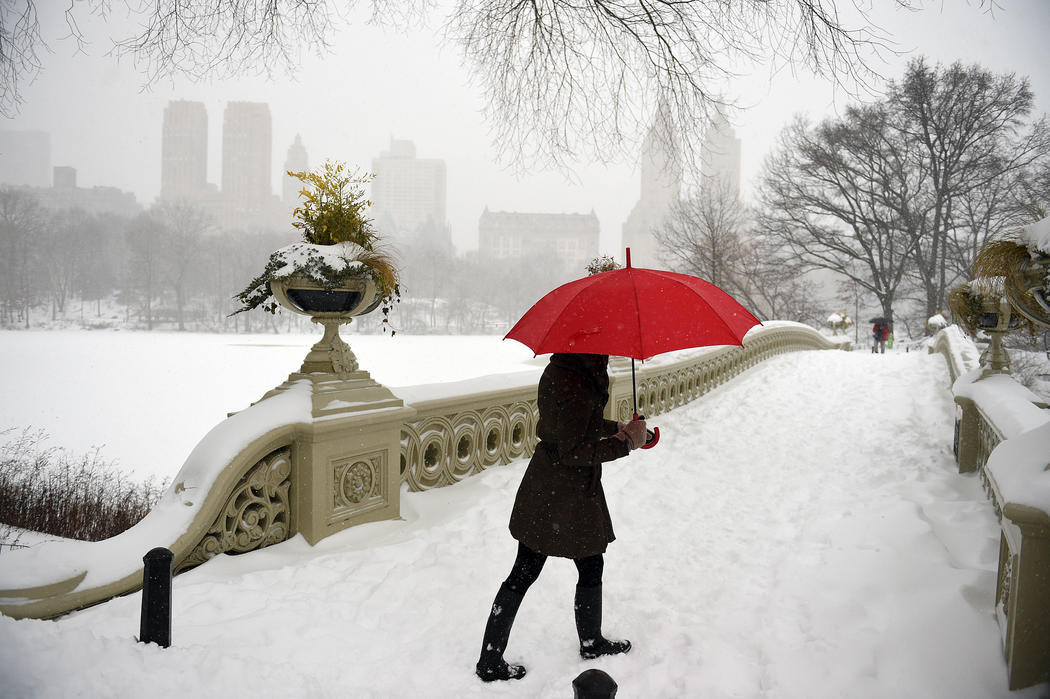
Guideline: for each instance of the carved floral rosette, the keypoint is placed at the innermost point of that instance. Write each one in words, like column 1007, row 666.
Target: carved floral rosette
column 255, row 515
column 358, row 485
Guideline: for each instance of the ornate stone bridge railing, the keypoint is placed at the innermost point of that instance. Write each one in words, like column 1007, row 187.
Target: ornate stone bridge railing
column 323, row 452
column 463, row 428
column 1003, row 434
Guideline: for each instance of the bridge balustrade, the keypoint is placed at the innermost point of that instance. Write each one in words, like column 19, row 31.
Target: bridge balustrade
column 1003, row 435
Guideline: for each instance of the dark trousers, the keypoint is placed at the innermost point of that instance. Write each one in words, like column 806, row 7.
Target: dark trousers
column 526, row 569
column 529, row 564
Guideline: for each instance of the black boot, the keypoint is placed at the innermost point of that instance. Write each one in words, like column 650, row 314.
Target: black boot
column 589, row 625
column 491, row 665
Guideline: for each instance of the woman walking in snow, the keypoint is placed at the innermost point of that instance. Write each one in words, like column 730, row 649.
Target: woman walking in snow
column 560, row 508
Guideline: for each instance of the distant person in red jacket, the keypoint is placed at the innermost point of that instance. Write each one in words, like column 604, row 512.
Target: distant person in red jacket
column 879, row 334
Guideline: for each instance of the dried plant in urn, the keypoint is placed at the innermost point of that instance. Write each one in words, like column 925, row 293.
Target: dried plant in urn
column 337, row 270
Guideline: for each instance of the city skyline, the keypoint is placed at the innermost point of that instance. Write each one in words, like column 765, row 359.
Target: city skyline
column 109, row 129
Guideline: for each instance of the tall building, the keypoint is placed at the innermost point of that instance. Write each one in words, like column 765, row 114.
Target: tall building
column 25, row 158
column 661, row 186
column 295, row 161
column 184, row 151
column 247, row 146
column 247, row 201
column 572, row 239
column 408, row 194
column 720, row 157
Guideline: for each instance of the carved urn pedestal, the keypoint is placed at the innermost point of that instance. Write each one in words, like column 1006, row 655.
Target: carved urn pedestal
column 996, row 320
column 346, row 463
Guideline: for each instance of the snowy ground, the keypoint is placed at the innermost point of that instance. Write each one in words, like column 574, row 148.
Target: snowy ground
column 800, row 532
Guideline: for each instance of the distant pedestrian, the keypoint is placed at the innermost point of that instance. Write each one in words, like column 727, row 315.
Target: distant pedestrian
column 560, row 508
column 880, row 333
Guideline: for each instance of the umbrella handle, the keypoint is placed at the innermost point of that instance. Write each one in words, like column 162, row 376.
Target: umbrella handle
column 650, row 442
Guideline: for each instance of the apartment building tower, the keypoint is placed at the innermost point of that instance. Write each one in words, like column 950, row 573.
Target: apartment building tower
column 720, row 157
column 184, row 151
column 409, row 194
column 661, row 186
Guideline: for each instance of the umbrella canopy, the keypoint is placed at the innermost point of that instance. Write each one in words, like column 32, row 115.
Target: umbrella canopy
column 878, row 319
column 633, row 312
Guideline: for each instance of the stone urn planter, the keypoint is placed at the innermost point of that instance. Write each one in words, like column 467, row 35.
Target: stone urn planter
column 337, row 272
column 330, row 308
column 981, row 307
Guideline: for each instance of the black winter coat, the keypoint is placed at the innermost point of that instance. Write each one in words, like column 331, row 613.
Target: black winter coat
column 560, row 509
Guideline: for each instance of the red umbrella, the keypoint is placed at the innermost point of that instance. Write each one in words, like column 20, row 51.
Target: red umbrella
column 633, row 312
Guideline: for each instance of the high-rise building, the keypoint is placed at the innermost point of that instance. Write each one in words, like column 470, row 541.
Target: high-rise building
column 720, row 157
column 295, row 161
column 247, row 145
column 184, row 151
column 25, row 158
column 247, row 201
column 572, row 239
column 408, row 194
column 661, row 188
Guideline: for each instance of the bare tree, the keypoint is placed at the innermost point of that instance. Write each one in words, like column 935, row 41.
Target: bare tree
column 710, row 235
column 21, row 223
column 144, row 263
column 703, row 235
column 182, row 227
column 841, row 197
column 972, row 127
column 572, row 79
column 64, row 248
column 565, row 80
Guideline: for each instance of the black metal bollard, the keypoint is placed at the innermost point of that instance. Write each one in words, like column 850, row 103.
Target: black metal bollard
column 155, row 624
column 594, row 684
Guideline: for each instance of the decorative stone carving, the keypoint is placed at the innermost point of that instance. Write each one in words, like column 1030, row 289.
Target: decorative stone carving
column 1003, row 587
column 255, row 515
column 444, row 448
column 440, row 450
column 357, row 485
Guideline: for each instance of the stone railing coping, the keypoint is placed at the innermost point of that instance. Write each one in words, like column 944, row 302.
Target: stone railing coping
column 960, row 351
column 1011, row 407
column 426, row 396
column 1020, row 468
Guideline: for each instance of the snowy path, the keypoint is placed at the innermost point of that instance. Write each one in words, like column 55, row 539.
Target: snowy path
column 800, row 532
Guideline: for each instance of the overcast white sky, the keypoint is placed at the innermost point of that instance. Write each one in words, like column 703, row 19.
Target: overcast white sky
column 380, row 84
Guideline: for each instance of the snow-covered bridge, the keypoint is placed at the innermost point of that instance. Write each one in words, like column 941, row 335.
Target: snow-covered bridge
column 801, row 531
